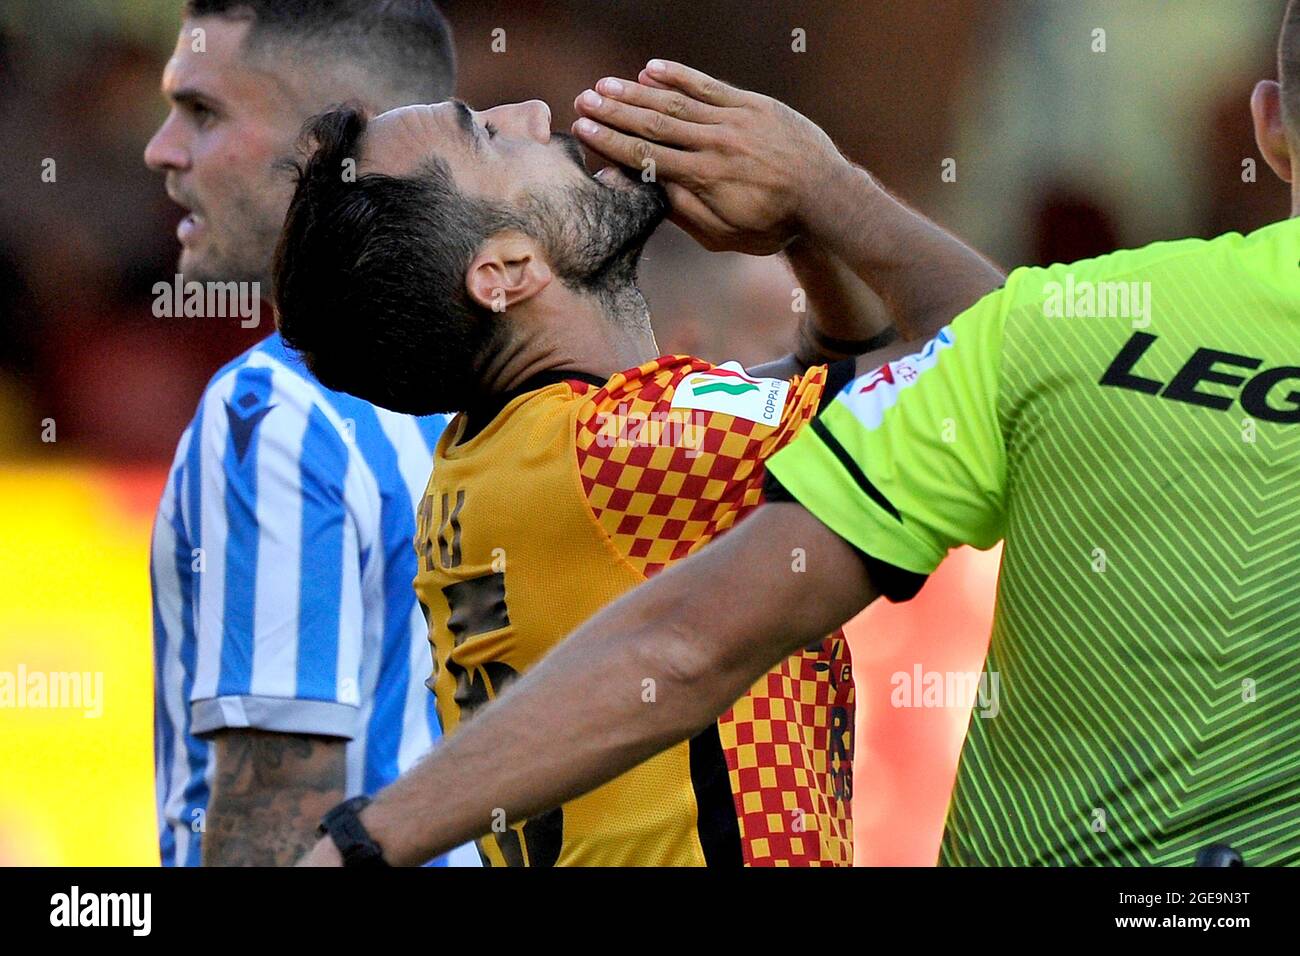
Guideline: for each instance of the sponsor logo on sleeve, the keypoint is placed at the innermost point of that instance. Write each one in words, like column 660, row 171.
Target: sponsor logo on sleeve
column 869, row 396
column 729, row 390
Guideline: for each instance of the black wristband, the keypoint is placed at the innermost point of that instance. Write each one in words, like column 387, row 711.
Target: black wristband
column 343, row 825
column 828, row 344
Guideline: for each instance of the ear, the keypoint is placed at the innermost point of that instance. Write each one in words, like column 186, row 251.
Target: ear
column 1270, row 127
column 508, row 270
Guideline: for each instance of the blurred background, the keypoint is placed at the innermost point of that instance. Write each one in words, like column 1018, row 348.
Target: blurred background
column 1066, row 143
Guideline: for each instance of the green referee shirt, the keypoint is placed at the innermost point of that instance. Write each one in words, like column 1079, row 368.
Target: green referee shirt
column 1130, row 425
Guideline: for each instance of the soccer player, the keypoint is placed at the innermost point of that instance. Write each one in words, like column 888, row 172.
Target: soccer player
column 1140, row 463
column 497, row 278
column 289, row 650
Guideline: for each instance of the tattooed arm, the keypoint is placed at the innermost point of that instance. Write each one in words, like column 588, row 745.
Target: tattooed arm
column 269, row 791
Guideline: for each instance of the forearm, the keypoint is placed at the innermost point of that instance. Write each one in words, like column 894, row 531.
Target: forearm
column 924, row 275
column 843, row 316
column 651, row 669
column 269, row 792
column 598, row 705
column 269, row 830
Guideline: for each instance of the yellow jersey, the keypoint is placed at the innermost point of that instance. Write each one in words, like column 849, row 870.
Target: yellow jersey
column 548, row 506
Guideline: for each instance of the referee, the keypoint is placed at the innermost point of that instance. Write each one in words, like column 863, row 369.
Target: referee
column 1129, row 426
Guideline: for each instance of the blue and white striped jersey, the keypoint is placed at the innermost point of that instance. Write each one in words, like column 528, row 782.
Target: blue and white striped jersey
column 281, row 571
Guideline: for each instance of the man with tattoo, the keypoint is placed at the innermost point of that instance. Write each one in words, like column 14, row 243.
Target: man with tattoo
column 289, row 649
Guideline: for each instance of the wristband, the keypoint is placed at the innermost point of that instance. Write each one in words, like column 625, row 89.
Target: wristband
column 830, row 345
column 344, row 827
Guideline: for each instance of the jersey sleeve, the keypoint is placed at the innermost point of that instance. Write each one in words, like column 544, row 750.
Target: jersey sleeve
column 908, row 460
column 278, row 609
column 673, row 453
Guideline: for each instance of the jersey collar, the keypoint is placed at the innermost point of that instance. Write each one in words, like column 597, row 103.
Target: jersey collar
column 479, row 415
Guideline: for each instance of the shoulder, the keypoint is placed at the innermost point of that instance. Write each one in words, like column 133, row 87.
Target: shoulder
column 1048, row 320
column 263, row 412
column 650, row 385
column 691, row 391
column 1192, row 262
column 268, row 383
column 267, row 374
column 679, row 414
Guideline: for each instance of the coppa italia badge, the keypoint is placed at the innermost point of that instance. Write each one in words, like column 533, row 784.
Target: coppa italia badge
column 729, row 390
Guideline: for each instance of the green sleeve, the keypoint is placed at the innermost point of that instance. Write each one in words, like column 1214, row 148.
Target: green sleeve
column 908, row 461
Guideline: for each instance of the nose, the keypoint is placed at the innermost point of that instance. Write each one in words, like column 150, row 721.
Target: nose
column 164, row 151
column 531, row 119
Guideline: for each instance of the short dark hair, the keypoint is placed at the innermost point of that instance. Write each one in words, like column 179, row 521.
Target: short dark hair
column 373, row 265
column 407, row 43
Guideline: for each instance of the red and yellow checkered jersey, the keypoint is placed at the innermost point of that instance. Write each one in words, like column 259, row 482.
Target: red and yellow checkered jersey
column 574, row 493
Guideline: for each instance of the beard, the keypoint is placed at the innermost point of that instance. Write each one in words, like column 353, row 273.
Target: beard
column 241, row 225
column 594, row 234
column 215, row 262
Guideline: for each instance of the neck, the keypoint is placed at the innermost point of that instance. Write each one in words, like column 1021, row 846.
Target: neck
column 563, row 331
